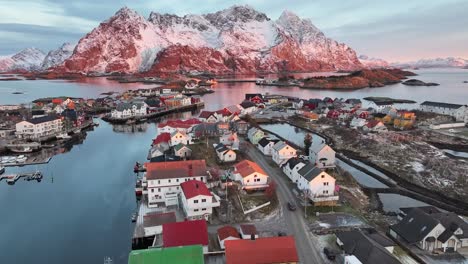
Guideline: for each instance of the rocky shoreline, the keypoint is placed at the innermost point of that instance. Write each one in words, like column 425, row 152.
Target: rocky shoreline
column 414, row 82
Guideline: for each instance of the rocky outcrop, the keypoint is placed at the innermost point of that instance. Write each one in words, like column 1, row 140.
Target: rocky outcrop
column 357, row 80
column 414, row 82
column 58, row 56
column 237, row 40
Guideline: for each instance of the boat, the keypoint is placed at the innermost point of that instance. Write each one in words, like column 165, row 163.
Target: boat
column 134, row 217
column 23, row 149
column 62, row 136
column 21, row 159
column 2, row 170
column 77, row 131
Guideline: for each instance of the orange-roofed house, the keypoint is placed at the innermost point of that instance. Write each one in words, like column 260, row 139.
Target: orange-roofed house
column 57, row 101
column 250, row 175
column 164, row 179
column 262, row 250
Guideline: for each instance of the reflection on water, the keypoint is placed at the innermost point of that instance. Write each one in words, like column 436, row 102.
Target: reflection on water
column 290, row 133
column 361, row 177
column 392, row 202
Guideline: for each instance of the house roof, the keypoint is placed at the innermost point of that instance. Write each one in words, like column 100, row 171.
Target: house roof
column 179, row 255
column 42, row 119
column 185, row 233
column 292, row 162
column 380, row 103
column 317, row 145
column 265, row 141
column 175, row 169
column 178, row 132
column 443, row 105
column 248, row 229
column 309, row 171
column 373, row 123
column 206, row 114
column 227, row 231
column 451, row 222
column 247, row 104
column 415, row 226
column 194, row 188
column 427, row 209
column 365, row 248
column 163, row 137
column 157, row 219
column 261, row 250
column 281, row 145
column 247, row 167
column 180, row 146
column 165, row 158
column 180, row 123
column 221, row 148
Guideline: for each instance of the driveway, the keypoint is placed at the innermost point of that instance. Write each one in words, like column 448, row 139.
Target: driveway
column 306, row 243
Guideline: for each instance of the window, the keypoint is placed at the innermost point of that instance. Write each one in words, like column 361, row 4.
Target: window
column 195, row 210
column 170, row 188
column 325, row 184
column 177, row 188
column 169, row 180
column 195, row 201
column 323, row 176
column 177, row 180
column 255, row 176
column 159, row 181
column 159, row 189
column 152, row 190
column 203, row 200
column 325, row 192
column 203, row 209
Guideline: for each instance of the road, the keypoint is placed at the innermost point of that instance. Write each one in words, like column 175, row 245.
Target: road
column 306, row 244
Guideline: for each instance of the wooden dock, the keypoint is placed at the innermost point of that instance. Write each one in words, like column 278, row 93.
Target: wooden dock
column 31, row 161
column 13, row 178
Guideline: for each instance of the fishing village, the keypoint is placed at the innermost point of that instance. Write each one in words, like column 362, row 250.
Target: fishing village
column 321, row 178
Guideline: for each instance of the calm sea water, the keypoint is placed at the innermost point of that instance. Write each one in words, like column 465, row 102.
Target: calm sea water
column 80, row 213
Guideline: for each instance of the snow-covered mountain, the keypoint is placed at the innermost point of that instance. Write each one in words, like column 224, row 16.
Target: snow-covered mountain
column 373, row 63
column 237, row 39
column 449, row 62
column 29, row 59
column 56, row 57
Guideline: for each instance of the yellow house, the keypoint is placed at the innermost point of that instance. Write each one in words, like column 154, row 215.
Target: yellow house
column 387, row 120
column 401, row 123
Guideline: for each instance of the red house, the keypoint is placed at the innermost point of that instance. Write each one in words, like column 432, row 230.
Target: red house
column 185, row 233
column 334, row 114
column 364, row 115
column 262, row 250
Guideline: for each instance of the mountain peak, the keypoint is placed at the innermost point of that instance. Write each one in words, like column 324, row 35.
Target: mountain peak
column 236, row 14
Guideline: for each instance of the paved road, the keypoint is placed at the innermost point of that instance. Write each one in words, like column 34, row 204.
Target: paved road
column 307, row 245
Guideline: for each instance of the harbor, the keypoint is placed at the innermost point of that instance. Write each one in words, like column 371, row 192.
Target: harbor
column 12, row 179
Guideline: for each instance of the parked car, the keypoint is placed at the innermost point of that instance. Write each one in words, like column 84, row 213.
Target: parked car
column 280, row 234
column 329, row 253
column 291, row 206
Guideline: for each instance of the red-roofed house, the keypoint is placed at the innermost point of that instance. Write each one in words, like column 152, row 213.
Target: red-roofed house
column 164, row 179
column 180, row 125
column 208, row 116
column 247, row 231
column 163, row 141
column 250, row 175
column 186, row 233
column 227, row 233
column 375, row 126
column 262, row 250
column 197, row 200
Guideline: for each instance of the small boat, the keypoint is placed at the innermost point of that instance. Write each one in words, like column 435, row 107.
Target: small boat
column 62, row 136
column 2, row 170
column 134, row 217
column 21, row 159
column 77, row 131
column 19, row 149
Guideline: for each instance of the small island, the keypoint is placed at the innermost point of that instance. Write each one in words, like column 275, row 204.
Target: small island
column 414, row 82
column 388, row 100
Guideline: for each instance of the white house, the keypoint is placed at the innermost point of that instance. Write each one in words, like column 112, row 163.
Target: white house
column 227, row 233
column 375, row 126
column 152, row 222
column 156, row 151
column 171, row 126
column 250, row 175
column 164, row 179
column 230, row 139
column 39, row 127
column 248, row 231
column 357, row 122
column 181, row 150
column 291, row 168
column 255, row 134
column 224, row 153
column 208, row 116
column 432, row 230
column 281, row 152
column 178, row 137
column 197, row 201
column 459, row 112
column 265, row 145
column 322, row 155
column 318, row 185
column 131, row 109
column 58, row 109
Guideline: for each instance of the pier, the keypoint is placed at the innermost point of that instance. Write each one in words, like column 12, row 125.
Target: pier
column 30, row 161
column 13, row 178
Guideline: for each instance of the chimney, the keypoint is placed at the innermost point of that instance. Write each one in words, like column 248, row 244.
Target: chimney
column 252, row 236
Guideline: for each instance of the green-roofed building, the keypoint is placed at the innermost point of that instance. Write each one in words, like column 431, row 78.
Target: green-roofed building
column 179, row 255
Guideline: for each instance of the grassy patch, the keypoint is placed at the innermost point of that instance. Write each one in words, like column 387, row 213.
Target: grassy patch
column 250, row 201
column 312, row 210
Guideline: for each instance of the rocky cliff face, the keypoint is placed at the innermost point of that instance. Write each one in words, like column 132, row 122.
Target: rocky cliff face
column 29, row 59
column 238, row 39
